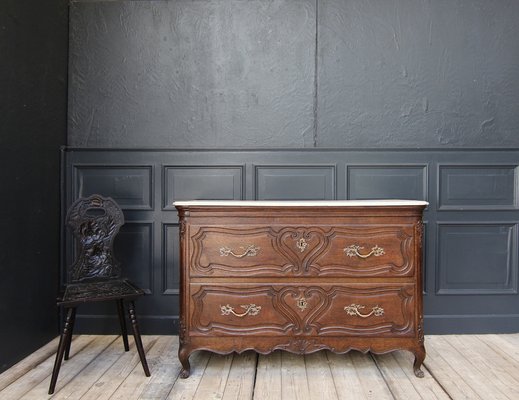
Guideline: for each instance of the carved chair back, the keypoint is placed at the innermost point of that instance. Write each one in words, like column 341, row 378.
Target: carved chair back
column 95, row 221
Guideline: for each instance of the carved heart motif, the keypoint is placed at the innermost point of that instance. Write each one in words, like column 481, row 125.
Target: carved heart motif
column 301, row 246
column 302, row 305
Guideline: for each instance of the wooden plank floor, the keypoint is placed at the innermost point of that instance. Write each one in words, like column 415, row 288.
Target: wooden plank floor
column 457, row 367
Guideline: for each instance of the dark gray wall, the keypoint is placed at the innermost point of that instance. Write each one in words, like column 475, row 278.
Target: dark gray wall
column 33, row 101
column 294, row 73
column 192, row 73
column 296, row 77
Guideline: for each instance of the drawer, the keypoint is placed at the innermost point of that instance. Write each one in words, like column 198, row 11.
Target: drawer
column 237, row 310
column 245, row 251
column 341, row 251
column 383, row 310
column 383, row 251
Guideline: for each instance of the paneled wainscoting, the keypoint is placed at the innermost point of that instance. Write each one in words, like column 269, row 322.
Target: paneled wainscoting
column 471, row 238
column 457, row 367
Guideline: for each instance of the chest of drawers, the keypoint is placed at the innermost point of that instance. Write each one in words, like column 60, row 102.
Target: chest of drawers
column 301, row 277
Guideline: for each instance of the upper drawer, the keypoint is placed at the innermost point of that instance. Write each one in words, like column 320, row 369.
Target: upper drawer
column 342, row 251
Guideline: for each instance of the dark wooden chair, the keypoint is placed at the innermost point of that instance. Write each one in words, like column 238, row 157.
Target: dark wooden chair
column 95, row 275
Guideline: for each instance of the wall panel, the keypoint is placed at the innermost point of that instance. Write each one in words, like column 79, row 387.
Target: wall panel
column 170, row 259
column 303, row 182
column 470, row 255
column 477, row 187
column 131, row 186
column 476, row 258
column 134, row 249
column 202, row 183
column 383, row 181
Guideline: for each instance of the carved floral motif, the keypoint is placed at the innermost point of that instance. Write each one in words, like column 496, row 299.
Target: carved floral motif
column 94, row 221
column 420, row 332
column 419, row 233
column 182, row 227
column 301, row 346
column 183, row 337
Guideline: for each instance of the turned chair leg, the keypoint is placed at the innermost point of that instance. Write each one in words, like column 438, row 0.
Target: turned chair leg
column 64, row 342
column 122, row 322
column 137, row 337
column 71, row 328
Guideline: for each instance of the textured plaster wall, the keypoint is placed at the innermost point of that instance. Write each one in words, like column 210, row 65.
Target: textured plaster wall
column 418, row 73
column 294, row 73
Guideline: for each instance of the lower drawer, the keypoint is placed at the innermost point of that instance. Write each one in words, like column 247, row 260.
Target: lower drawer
column 384, row 310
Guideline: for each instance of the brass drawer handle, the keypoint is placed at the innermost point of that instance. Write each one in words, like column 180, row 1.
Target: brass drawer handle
column 250, row 251
column 250, row 309
column 353, row 251
column 353, row 309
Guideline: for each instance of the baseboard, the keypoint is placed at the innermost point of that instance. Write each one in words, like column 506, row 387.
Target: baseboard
column 109, row 325
column 471, row 324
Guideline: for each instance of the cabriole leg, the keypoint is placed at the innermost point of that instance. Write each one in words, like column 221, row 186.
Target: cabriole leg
column 419, row 357
column 183, row 356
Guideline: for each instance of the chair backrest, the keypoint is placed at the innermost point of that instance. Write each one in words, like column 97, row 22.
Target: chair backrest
column 95, row 221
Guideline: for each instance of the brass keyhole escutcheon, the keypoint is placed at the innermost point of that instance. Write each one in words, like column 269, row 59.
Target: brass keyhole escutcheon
column 301, row 244
column 302, row 303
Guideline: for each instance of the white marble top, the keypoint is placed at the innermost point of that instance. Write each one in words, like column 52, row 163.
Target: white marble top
column 301, row 203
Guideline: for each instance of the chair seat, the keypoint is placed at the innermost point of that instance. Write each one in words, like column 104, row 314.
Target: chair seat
column 99, row 291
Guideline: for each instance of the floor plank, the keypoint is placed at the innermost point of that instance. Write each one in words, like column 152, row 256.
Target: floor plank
column 70, row 369
column 469, row 372
column 165, row 373
column 135, row 383
column 25, row 365
column 497, row 358
column 320, row 378
column 38, row 372
column 475, row 367
column 294, row 382
column 370, row 377
column 489, row 363
column 397, row 369
column 500, row 344
column 450, row 378
column 92, row 372
column 395, row 377
column 268, row 377
column 108, row 383
column 348, row 384
column 240, row 382
column 185, row 389
column 511, row 338
column 212, row 384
